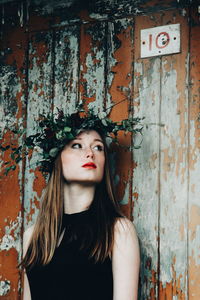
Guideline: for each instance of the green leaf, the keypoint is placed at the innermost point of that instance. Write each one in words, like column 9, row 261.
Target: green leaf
column 53, row 152
column 104, row 122
column 67, row 129
column 59, row 135
column 70, row 136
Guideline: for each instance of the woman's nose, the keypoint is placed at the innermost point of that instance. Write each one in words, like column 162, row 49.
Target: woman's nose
column 89, row 153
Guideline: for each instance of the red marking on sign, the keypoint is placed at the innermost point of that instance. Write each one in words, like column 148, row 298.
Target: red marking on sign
column 165, row 42
column 150, row 42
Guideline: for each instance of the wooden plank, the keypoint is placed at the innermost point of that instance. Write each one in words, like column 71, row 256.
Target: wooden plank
column 66, row 68
column 39, row 102
column 174, row 165
column 146, row 161
column 12, row 112
column 194, row 162
column 118, row 79
column 100, row 10
column 92, row 65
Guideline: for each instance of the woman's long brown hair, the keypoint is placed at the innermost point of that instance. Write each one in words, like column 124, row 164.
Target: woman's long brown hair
column 47, row 229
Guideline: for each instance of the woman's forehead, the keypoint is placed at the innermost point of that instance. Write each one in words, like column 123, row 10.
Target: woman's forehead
column 89, row 134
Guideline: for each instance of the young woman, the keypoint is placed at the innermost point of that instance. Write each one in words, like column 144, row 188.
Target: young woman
column 80, row 246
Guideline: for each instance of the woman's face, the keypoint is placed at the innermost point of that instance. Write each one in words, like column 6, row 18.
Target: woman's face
column 83, row 159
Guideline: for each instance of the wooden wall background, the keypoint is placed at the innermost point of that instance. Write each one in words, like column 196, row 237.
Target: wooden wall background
column 55, row 56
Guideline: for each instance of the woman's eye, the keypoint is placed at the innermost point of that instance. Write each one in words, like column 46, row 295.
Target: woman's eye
column 76, row 146
column 98, row 148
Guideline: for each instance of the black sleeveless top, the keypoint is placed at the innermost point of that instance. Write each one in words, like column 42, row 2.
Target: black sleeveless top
column 71, row 274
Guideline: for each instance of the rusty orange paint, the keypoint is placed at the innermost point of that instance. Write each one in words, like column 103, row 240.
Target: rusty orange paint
column 9, row 271
column 123, row 75
column 41, row 49
column 194, row 220
column 135, row 195
column 194, row 271
column 10, row 197
column 21, row 111
column 33, row 204
column 182, row 231
column 122, row 78
column 168, row 162
column 11, row 194
column 38, row 183
column 17, row 40
column 153, row 293
column 194, row 77
column 85, row 44
column 172, row 288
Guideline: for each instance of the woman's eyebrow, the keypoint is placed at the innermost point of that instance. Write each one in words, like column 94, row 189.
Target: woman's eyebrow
column 98, row 140
column 95, row 140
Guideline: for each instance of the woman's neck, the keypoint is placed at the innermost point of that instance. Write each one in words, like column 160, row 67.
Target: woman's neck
column 77, row 197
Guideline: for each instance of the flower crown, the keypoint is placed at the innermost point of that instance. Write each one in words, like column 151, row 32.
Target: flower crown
column 55, row 132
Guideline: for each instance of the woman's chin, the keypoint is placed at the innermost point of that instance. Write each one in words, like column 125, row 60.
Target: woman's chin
column 83, row 181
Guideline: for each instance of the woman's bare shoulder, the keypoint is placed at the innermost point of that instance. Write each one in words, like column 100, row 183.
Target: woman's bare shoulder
column 124, row 226
column 126, row 244
column 125, row 234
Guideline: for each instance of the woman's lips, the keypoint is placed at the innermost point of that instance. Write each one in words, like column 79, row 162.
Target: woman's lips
column 89, row 165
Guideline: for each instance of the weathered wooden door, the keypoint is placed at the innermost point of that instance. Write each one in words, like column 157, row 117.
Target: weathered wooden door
column 58, row 59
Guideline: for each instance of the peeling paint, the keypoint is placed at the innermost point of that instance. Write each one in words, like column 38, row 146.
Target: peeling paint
column 9, row 86
column 194, row 224
column 194, row 162
column 146, row 160
column 4, row 287
column 92, row 66
column 66, row 68
column 40, row 100
column 194, row 272
column 125, row 199
column 11, row 236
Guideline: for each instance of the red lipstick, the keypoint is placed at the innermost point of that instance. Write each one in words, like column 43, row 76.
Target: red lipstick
column 89, row 165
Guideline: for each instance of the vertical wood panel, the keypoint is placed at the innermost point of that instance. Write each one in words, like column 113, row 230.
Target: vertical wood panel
column 119, row 90
column 194, row 162
column 92, row 65
column 39, row 102
column 12, row 107
column 66, row 68
column 106, row 58
column 146, row 161
column 174, row 165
